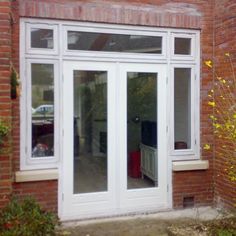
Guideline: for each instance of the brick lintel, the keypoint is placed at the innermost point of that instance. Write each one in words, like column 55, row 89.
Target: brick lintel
column 166, row 15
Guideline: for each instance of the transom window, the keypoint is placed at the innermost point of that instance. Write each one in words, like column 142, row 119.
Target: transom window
column 41, row 38
column 113, row 42
column 183, row 46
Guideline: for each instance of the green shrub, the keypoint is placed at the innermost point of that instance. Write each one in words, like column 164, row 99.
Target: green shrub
column 225, row 232
column 26, row 218
column 222, row 227
column 4, row 130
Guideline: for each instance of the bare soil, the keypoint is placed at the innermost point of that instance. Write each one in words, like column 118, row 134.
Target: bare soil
column 155, row 227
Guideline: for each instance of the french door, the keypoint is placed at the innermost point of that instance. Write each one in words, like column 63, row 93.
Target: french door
column 114, row 139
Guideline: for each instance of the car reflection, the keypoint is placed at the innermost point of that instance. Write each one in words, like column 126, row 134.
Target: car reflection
column 43, row 131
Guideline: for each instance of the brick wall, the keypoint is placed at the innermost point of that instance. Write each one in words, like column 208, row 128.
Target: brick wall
column 15, row 102
column 189, row 14
column 5, row 100
column 225, row 41
column 198, row 184
column 185, row 14
column 45, row 192
column 192, row 184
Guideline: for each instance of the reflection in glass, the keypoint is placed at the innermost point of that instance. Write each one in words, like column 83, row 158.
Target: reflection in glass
column 42, row 83
column 183, row 46
column 142, row 130
column 182, row 110
column 41, row 38
column 90, row 131
column 114, row 42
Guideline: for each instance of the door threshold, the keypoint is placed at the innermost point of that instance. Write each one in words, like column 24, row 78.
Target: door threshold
column 121, row 214
column 201, row 213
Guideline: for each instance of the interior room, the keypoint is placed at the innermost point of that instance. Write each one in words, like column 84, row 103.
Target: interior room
column 90, row 130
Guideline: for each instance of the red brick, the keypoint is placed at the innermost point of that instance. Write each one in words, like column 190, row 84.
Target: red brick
column 134, row 12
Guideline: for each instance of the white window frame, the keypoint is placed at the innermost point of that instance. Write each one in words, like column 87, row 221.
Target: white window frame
column 191, row 56
column 27, row 161
column 126, row 30
column 44, row 51
column 193, row 152
column 60, row 53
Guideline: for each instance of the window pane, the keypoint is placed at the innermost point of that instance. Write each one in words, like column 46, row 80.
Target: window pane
column 114, row 42
column 41, row 38
column 90, row 131
column 142, row 130
column 42, row 110
column 183, row 46
column 182, row 110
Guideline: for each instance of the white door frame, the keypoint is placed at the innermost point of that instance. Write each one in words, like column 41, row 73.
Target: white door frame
column 117, row 200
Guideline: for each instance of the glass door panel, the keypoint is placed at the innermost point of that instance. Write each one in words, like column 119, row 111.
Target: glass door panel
column 142, row 130
column 90, row 131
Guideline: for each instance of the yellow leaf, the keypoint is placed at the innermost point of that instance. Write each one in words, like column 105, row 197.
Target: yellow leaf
column 227, row 54
column 212, row 104
column 217, row 125
column 208, row 63
column 212, row 117
column 207, row 147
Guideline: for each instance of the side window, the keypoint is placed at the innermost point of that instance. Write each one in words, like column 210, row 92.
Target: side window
column 40, row 105
column 182, row 108
column 42, row 110
column 40, row 92
column 184, row 93
column 185, row 111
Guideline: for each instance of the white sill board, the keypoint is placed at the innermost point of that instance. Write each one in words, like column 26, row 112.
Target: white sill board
column 36, row 175
column 190, row 165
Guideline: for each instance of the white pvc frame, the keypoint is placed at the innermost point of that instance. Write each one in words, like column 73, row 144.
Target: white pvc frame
column 60, row 54
column 193, row 152
column 192, row 55
column 27, row 161
column 115, row 30
column 43, row 51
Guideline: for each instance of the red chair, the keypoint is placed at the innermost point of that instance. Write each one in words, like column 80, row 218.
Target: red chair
column 134, row 164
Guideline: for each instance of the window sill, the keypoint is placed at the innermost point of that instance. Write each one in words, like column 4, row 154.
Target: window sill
column 36, row 175
column 190, row 165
